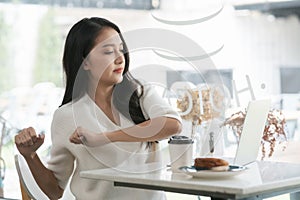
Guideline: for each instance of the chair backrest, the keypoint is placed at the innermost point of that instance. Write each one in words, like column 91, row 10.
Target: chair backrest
column 27, row 180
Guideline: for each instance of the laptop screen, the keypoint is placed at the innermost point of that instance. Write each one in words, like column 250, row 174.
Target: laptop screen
column 254, row 124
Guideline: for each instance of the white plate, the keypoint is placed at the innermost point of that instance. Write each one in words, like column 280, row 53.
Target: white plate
column 232, row 171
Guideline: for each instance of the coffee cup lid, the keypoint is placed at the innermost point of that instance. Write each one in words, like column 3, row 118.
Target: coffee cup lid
column 180, row 139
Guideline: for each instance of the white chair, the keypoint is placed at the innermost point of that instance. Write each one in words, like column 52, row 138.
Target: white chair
column 29, row 188
column 28, row 184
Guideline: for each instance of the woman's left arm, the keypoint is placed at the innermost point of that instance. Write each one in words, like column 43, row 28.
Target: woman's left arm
column 164, row 122
column 151, row 130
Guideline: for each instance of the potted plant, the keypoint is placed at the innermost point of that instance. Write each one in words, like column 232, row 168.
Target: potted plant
column 274, row 131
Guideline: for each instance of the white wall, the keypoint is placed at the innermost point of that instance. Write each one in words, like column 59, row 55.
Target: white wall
column 258, row 44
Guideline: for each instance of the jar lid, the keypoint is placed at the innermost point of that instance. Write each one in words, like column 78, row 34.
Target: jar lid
column 179, row 139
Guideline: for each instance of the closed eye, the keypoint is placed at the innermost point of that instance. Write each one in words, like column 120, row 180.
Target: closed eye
column 108, row 52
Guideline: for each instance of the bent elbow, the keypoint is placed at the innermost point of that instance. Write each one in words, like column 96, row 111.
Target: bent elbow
column 175, row 127
column 178, row 127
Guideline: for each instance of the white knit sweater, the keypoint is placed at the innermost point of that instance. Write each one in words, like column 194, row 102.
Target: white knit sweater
column 67, row 159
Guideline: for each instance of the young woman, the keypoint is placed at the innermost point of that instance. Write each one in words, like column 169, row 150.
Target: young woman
column 106, row 109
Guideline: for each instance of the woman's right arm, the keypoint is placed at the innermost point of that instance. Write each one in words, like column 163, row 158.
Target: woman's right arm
column 27, row 143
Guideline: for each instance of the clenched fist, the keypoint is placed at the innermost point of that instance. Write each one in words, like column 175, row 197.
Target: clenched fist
column 88, row 138
column 27, row 141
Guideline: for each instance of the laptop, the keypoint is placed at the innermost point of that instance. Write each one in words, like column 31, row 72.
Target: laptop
column 254, row 124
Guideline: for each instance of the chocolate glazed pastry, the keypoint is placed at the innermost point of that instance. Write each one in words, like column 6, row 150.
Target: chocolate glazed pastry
column 215, row 164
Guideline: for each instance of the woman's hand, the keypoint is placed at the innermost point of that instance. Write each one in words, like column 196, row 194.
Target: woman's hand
column 88, row 138
column 28, row 142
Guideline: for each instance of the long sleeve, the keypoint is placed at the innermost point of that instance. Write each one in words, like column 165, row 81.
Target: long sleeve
column 155, row 106
column 61, row 161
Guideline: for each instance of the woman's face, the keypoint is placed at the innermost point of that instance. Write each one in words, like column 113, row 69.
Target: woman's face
column 105, row 63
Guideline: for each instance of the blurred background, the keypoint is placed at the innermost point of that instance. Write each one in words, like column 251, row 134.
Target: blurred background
column 255, row 38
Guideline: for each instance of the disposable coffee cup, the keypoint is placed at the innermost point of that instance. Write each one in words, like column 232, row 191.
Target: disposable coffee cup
column 181, row 152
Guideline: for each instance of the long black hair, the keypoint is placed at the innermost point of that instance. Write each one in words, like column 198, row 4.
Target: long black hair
column 79, row 42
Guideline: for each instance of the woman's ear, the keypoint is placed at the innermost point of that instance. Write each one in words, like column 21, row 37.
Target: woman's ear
column 85, row 67
column 85, row 64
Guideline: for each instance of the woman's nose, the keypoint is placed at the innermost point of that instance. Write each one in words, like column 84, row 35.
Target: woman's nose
column 119, row 59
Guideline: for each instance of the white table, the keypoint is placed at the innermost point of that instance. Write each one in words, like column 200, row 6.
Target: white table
column 261, row 180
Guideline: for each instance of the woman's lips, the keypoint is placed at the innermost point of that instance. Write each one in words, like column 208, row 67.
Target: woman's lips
column 118, row 70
